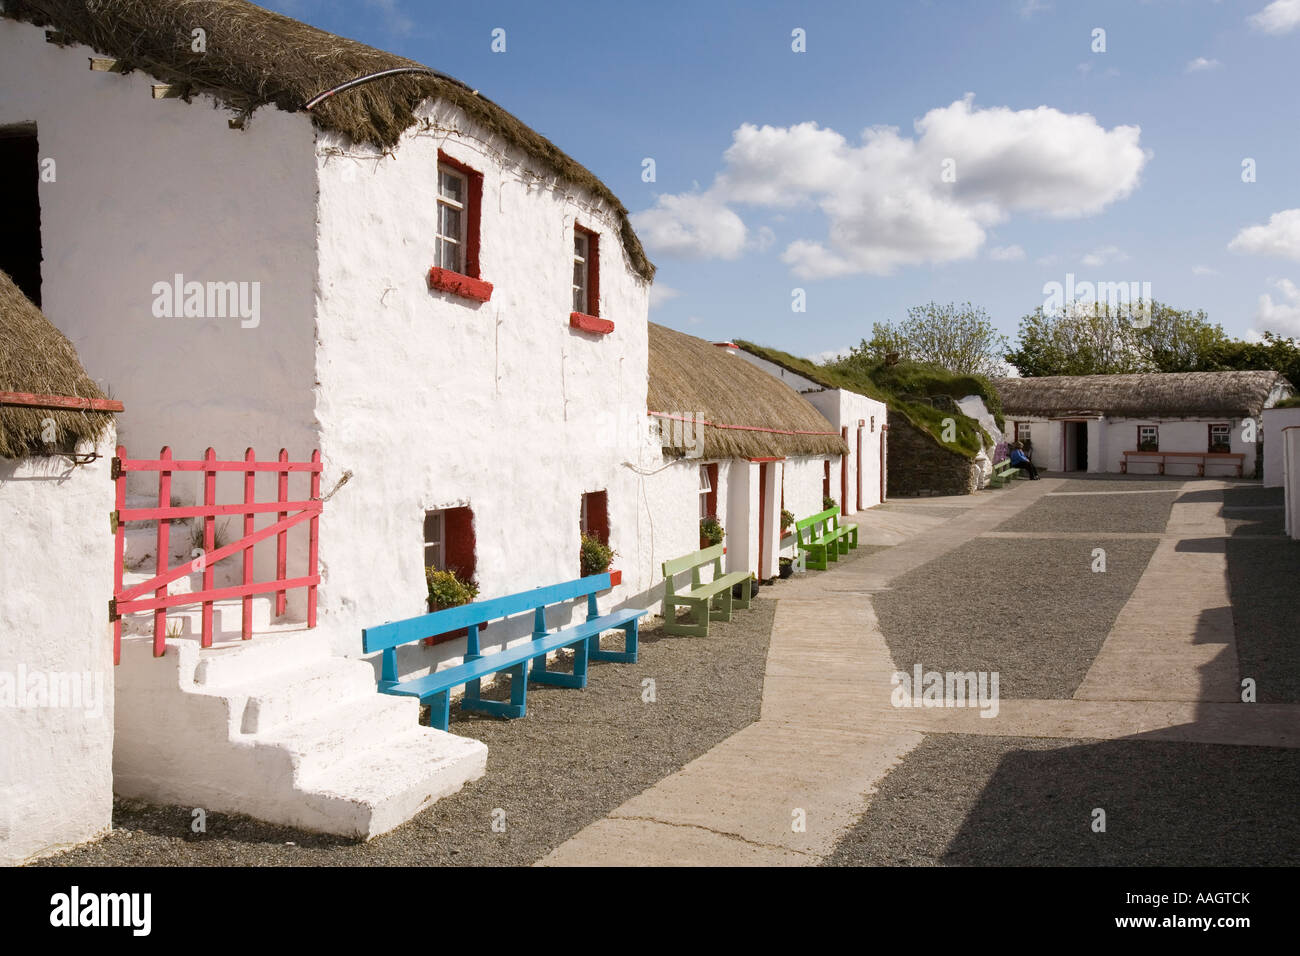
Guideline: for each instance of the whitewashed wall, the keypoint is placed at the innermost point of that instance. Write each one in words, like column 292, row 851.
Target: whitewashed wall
column 56, row 782
column 1274, row 420
column 145, row 189
column 434, row 401
column 1290, row 441
column 1120, row 435
column 844, row 408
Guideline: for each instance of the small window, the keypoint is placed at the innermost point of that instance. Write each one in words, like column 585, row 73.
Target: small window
column 434, row 553
column 449, row 541
column 708, row 491
column 1148, row 438
column 594, row 518
column 1023, row 432
column 586, row 272
column 1220, row 438
column 453, row 215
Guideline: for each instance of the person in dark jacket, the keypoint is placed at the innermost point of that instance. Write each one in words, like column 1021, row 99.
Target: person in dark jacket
column 1021, row 461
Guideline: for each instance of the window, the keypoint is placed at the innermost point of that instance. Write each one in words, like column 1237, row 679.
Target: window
column 1148, row 438
column 434, row 556
column 594, row 519
column 1220, row 438
column 708, row 491
column 453, row 212
column 1023, row 432
column 20, row 240
column 449, row 541
column 586, row 272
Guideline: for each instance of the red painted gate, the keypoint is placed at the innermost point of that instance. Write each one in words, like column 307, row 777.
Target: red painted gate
column 288, row 513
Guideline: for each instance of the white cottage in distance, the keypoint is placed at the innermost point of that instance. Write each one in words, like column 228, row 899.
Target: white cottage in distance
column 1175, row 423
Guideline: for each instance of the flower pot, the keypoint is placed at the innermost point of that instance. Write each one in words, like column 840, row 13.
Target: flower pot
column 786, row 569
column 448, row 636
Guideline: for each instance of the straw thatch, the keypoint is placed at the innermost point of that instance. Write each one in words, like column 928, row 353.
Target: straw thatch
column 1145, row 395
column 36, row 357
column 257, row 58
column 690, row 377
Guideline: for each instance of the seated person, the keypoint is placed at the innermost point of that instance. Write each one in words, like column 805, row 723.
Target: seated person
column 1021, row 461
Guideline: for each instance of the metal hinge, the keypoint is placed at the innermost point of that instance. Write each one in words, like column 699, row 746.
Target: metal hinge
column 116, row 471
column 112, row 609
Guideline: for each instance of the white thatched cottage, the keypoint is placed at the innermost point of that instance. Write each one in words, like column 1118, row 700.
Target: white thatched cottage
column 862, row 421
column 56, row 664
column 737, row 442
column 1181, row 423
column 402, row 275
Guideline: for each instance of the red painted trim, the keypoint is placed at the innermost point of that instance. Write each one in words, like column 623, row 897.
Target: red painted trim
column 763, row 471
column 615, row 578
column 741, row 428
column 467, row 287
column 859, row 481
column 593, row 271
column 884, row 429
column 726, row 345
column 711, row 498
column 473, row 215
column 844, row 474
column 590, row 323
column 32, row 400
column 765, row 460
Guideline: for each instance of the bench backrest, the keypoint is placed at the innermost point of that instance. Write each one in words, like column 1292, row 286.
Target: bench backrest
column 693, row 562
column 396, row 633
column 830, row 518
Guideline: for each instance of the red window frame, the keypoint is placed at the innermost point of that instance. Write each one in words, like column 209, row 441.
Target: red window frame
column 1209, row 435
column 590, row 320
column 593, row 517
column 469, row 284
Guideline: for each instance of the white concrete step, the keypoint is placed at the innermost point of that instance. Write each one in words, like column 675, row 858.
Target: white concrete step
column 385, row 786
column 316, row 743
column 304, row 693
column 248, row 662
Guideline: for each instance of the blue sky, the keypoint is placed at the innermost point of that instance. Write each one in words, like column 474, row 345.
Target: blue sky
column 1037, row 156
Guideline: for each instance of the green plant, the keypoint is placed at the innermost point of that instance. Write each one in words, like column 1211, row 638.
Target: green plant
column 787, row 518
column 711, row 531
column 220, row 533
column 594, row 555
column 828, row 503
column 446, row 589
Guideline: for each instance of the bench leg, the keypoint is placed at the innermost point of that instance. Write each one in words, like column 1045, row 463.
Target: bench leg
column 746, row 593
column 440, row 710
column 853, row 539
column 577, row 679
column 518, row 696
column 723, row 611
column 626, row 656
column 817, row 557
column 700, row 625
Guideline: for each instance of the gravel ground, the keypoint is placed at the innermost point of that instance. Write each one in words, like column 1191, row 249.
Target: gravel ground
column 1254, row 510
column 999, row 801
column 1096, row 512
column 1031, row 609
column 576, row 756
column 1262, row 580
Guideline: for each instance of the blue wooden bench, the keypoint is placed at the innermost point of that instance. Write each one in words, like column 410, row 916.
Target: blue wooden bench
column 523, row 662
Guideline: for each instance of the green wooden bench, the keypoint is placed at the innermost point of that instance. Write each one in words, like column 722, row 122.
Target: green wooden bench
column 707, row 600
column 1003, row 472
column 827, row 544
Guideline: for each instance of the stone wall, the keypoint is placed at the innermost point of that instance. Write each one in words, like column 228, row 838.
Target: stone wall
column 918, row 464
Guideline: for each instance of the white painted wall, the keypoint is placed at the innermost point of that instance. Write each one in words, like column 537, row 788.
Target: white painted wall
column 1274, row 420
column 798, row 382
column 435, row 401
column 56, row 570
column 1291, row 478
column 145, row 189
column 844, row 408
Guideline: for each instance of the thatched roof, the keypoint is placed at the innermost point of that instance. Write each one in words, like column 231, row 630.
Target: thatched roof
column 257, row 58
column 37, row 358
column 1145, row 395
column 746, row 412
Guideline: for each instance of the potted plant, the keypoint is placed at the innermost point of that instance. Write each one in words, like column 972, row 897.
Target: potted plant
column 787, row 521
column 711, row 532
column 786, row 566
column 828, row 503
column 594, row 557
column 754, row 584
column 447, row 589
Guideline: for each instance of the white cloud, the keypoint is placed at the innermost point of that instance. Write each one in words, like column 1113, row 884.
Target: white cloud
column 1029, row 7
column 1280, row 16
column 660, row 293
column 1100, row 257
column 1204, row 271
column 830, row 355
column 1283, row 316
column 1011, row 253
column 885, row 198
column 1280, row 236
column 691, row 226
column 1201, row 63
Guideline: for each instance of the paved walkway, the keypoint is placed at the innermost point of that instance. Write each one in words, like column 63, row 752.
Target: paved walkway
column 783, row 790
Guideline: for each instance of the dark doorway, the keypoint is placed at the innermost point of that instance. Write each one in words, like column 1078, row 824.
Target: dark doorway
column 20, row 240
column 1081, row 446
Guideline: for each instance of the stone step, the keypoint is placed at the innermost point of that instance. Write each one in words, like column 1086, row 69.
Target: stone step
column 317, row 743
column 248, row 662
column 304, row 693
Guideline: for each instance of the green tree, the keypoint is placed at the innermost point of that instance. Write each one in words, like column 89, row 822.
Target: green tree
column 961, row 339
column 1275, row 353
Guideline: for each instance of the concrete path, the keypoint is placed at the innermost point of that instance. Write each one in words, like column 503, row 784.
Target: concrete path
column 783, row 790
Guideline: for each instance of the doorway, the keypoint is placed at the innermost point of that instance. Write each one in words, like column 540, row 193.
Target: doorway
column 1074, row 446
column 20, row 240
